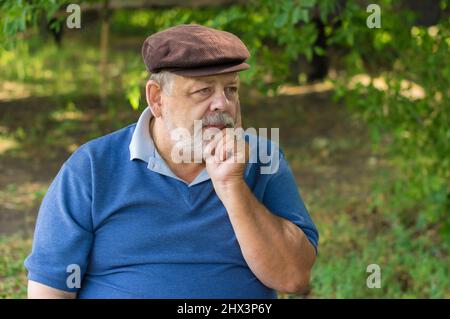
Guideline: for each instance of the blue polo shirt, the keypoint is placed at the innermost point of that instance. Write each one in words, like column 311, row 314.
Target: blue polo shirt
column 136, row 230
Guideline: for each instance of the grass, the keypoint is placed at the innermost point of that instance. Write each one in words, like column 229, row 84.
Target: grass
column 13, row 251
column 412, row 265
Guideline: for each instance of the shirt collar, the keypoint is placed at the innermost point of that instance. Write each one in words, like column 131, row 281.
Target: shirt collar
column 141, row 145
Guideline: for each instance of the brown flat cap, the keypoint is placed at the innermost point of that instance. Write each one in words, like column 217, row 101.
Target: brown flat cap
column 194, row 50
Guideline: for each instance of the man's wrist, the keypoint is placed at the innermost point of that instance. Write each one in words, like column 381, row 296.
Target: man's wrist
column 230, row 187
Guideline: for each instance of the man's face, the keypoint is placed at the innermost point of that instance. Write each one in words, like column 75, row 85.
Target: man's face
column 212, row 99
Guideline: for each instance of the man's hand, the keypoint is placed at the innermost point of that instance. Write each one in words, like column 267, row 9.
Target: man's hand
column 226, row 156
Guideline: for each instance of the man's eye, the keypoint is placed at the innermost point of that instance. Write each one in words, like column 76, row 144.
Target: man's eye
column 203, row 91
column 231, row 89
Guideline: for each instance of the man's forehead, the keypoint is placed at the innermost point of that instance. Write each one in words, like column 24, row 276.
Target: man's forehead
column 224, row 78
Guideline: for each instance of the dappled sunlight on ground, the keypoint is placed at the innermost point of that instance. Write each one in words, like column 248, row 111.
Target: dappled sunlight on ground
column 409, row 89
column 7, row 143
column 10, row 90
column 305, row 89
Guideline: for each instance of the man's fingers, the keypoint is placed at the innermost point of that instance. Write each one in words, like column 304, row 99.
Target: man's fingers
column 220, row 149
column 231, row 147
column 226, row 148
column 210, row 148
column 226, row 144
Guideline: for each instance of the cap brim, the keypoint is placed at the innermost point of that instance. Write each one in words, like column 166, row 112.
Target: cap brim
column 211, row 70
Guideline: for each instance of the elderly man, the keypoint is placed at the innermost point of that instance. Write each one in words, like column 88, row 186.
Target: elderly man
column 125, row 218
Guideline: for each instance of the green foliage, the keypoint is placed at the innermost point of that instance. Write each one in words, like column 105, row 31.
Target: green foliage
column 276, row 32
column 17, row 16
column 405, row 100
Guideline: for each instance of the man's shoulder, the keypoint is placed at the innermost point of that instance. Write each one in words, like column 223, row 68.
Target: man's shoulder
column 261, row 141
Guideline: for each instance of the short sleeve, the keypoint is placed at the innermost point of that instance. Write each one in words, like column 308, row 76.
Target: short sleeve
column 63, row 234
column 282, row 197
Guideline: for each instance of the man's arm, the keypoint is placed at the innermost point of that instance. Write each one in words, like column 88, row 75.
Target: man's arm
column 39, row 291
column 63, row 228
column 276, row 250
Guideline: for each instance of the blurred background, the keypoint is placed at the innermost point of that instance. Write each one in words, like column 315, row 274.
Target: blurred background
column 362, row 103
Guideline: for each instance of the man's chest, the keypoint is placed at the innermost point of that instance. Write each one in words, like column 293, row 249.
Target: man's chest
column 174, row 225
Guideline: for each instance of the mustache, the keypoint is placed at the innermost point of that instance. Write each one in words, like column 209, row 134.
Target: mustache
column 218, row 118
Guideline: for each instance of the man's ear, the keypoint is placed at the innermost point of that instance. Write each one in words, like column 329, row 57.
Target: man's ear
column 153, row 94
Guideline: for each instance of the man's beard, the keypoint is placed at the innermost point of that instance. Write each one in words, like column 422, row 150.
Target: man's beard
column 211, row 124
column 219, row 119
column 202, row 132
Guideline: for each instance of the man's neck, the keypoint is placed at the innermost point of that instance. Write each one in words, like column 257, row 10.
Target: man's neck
column 163, row 144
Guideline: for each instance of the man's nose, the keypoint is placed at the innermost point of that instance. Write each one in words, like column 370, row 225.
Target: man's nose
column 219, row 102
